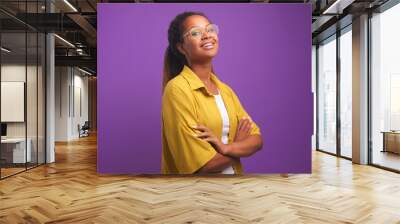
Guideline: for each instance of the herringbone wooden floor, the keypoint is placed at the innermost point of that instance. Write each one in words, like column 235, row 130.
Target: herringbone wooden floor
column 70, row 191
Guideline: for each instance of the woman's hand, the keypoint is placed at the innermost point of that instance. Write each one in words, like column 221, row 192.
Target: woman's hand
column 243, row 129
column 209, row 136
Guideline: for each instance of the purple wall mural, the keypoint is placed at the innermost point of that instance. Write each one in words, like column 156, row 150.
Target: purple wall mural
column 264, row 55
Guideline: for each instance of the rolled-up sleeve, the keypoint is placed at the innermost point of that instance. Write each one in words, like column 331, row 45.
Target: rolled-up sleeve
column 189, row 153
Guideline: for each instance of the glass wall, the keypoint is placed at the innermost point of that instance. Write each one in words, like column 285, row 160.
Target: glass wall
column 22, row 90
column 346, row 92
column 314, row 91
column 327, row 95
column 31, row 87
column 334, row 73
column 385, row 88
column 41, row 97
column 13, row 89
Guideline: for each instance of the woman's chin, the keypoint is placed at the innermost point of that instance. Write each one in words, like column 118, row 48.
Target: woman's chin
column 209, row 55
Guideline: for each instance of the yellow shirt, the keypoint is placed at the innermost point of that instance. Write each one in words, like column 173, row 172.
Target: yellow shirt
column 186, row 102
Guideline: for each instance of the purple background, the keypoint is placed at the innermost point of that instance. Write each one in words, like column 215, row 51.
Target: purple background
column 264, row 55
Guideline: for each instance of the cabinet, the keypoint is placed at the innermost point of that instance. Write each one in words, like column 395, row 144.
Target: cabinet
column 391, row 142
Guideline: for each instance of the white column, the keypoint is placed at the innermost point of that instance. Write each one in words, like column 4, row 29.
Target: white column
column 50, row 92
column 50, row 99
column 360, row 89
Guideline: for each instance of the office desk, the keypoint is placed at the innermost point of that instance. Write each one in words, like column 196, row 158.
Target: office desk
column 13, row 150
column 391, row 141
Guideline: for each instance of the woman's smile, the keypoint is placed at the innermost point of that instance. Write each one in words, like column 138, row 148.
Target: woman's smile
column 208, row 45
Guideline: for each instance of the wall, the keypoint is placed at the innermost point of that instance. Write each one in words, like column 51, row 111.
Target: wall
column 15, row 72
column 71, row 102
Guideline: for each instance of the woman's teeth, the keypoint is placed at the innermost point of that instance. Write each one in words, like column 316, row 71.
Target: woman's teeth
column 208, row 46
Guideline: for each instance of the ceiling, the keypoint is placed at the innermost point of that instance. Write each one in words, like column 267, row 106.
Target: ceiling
column 76, row 22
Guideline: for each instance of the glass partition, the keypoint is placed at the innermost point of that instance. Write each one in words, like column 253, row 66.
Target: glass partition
column 31, row 100
column 327, row 95
column 22, row 77
column 14, row 153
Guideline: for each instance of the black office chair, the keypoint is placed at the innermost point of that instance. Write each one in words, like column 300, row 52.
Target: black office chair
column 84, row 130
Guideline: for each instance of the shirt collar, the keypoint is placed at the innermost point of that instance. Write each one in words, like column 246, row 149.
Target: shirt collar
column 194, row 80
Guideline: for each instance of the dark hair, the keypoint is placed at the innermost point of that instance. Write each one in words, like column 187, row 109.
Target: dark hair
column 173, row 59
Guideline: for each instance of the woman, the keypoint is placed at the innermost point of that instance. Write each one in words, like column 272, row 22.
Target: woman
column 204, row 126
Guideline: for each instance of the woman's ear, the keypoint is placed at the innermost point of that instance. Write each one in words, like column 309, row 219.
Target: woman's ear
column 179, row 46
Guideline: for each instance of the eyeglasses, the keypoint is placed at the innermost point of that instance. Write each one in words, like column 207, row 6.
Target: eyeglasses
column 197, row 32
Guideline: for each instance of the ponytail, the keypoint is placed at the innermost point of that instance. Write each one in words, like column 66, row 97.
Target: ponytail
column 173, row 59
column 173, row 64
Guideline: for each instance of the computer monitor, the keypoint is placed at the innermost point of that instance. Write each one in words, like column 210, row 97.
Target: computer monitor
column 3, row 129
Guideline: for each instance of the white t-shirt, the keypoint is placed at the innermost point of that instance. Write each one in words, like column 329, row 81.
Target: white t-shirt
column 225, row 127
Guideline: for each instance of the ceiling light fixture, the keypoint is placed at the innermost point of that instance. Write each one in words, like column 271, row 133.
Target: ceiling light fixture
column 5, row 50
column 84, row 71
column 64, row 40
column 338, row 6
column 70, row 5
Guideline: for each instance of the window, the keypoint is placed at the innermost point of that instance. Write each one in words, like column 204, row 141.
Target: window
column 327, row 95
column 346, row 92
column 385, row 88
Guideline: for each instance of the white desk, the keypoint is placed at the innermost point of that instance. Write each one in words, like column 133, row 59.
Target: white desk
column 18, row 150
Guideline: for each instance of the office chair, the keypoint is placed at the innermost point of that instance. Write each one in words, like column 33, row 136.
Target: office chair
column 84, row 130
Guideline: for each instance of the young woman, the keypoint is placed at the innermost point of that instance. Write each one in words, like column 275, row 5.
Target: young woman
column 205, row 129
